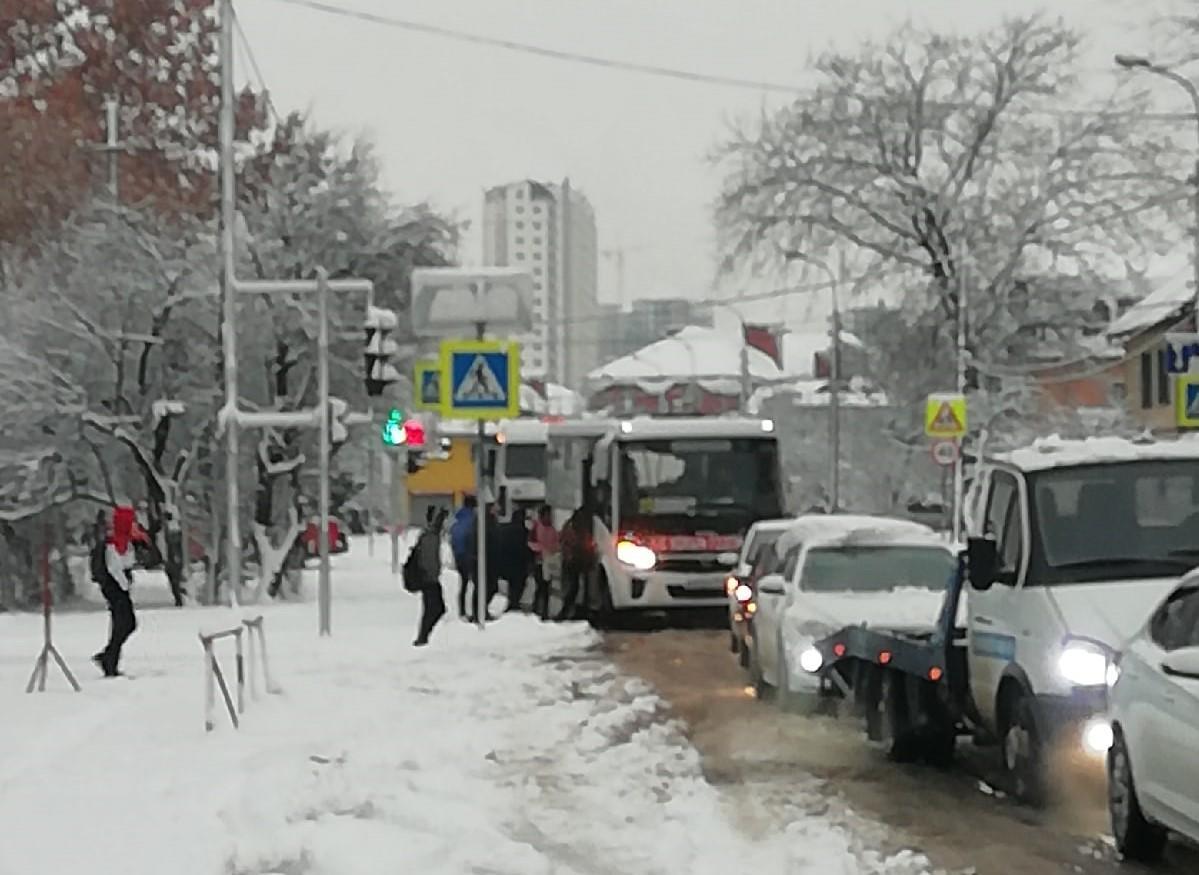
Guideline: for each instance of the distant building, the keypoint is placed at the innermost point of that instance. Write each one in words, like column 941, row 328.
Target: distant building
column 622, row 332
column 550, row 230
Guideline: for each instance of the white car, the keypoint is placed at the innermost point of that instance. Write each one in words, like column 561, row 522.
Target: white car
column 779, row 588
column 741, row 582
column 1153, row 762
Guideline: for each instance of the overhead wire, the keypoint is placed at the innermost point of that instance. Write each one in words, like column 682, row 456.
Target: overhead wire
column 248, row 50
column 568, row 56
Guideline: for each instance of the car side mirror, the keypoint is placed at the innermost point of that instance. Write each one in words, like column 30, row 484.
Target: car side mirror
column 982, row 559
column 771, row 585
column 727, row 559
column 1182, row 663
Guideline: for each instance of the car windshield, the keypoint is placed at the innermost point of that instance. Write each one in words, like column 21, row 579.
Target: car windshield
column 757, row 546
column 876, row 569
column 700, row 477
column 1112, row 521
column 524, row 461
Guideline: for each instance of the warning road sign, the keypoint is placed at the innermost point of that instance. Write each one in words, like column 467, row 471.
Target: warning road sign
column 483, row 379
column 945, row 453
column 945, row 416
column 428, row 383
column 1186, row 400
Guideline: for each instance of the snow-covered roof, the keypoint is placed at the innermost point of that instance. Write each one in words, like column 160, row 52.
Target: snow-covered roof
column 815, row 393
column 705, row 356
column 813, row 526
column 645, row 427
column 1055, row 452
column 523, row 431
column 1167, row 301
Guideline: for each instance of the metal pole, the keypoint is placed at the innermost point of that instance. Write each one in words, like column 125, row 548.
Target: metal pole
column 1195, row 230
column 229, row 309
column 745, row 393
column 111, row 123
column 834, row 425
column 481, row 508
column 322, row 299
column 959, row 479
column 372, row 494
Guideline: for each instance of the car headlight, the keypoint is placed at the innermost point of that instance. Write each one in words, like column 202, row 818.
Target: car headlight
column 811, row 660
column 636, row 556
column 1083, row 663
column 743, row 593
column 1113, row 674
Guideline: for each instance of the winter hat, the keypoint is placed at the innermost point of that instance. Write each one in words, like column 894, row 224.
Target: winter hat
column 122, row 527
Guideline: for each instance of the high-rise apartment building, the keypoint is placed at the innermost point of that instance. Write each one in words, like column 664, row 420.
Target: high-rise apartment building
column 549, row 229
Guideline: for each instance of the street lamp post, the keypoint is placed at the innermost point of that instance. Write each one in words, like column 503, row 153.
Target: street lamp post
column 1134, row 62
column 834, row 425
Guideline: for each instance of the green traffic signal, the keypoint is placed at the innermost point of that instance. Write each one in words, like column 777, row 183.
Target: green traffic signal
column 393, row 428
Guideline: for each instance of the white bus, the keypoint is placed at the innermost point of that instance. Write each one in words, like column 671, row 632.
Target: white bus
column 520, row 465
column 672, row 500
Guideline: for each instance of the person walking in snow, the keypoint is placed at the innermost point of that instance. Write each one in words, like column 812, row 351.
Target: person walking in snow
column 543, row 541
column 459, row 534
column 111, row 565
column 493, row 561
column 428, row 564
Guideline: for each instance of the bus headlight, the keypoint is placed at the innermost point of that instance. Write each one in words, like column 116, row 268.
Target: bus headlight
column 1083, row 663
column 636, row 556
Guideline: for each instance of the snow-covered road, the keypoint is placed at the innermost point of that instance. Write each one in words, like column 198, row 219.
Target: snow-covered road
column 518, row 750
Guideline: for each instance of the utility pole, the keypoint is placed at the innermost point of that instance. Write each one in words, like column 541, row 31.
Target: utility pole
column 228, row 306
column 566, row 352
column 834, row 425
column 959, row 479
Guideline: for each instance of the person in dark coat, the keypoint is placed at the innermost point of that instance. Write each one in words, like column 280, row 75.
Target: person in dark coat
column 460, row 531
column 516, row 556
column 493, row 561
column 579, row 560
column 428, row 561
column 112, row 568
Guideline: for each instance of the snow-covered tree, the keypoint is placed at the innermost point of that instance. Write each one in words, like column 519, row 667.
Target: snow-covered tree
column 958, row 163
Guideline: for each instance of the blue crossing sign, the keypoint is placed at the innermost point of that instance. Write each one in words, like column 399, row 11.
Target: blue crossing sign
column 1186, row 400
column 428, row 385
column 483, row 379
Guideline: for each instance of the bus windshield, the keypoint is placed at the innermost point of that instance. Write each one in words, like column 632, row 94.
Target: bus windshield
column 733, row 481
column 524, row 461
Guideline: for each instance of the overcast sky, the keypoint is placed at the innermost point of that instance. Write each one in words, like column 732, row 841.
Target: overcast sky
column 450, row 119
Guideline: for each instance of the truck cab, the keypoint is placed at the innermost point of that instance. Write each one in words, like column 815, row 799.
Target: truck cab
column 1072, row 544
column 520, row 465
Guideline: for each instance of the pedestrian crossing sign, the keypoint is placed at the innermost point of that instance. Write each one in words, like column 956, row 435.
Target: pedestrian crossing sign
column 483, row 379
column 427, row 380
column 945, row 415
column 1186, row 400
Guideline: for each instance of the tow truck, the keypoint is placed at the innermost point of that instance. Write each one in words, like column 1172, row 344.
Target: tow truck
column 1071, row 544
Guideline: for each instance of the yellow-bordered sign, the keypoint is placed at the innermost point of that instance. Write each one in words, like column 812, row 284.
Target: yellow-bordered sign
column 945, row 415
column 426, row 380
column 1186, row 400
column 480, row 379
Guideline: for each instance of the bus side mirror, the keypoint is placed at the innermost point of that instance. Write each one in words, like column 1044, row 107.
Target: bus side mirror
column 982, row 559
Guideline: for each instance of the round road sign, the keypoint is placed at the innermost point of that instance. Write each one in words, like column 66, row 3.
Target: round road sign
column 945, row 453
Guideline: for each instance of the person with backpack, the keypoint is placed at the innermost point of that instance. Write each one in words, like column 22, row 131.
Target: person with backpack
column 422, row 573
column 460, row 531
column 111, row 566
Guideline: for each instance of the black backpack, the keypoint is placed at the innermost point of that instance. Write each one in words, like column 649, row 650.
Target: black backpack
column 413, row 581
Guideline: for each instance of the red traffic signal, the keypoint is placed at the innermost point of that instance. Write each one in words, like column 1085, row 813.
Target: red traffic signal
column 414, row 433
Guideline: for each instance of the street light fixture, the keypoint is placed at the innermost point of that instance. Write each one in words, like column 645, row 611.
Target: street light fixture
column 1137, row 62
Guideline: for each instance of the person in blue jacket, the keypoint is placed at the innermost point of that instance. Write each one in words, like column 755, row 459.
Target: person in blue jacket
column 460, row 533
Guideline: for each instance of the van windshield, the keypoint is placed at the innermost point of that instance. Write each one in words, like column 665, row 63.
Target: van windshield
column 877, row 569
column 525, row 461
column 1115, row 521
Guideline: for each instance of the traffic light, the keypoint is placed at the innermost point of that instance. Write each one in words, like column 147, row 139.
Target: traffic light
column 393, row 432
column 414, row 433
column 380, row 348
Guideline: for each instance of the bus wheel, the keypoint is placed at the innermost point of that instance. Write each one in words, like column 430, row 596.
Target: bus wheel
column 889, row 719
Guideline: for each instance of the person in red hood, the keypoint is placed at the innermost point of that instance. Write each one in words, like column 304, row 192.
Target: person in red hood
column 112, row 564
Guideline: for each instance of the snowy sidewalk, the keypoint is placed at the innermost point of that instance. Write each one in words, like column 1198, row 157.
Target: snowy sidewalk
column 518, row 750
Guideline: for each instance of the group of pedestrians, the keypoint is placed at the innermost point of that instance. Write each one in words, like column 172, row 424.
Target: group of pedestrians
column 518, row 551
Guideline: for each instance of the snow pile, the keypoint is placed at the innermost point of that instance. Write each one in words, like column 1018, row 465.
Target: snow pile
column 517, row 750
